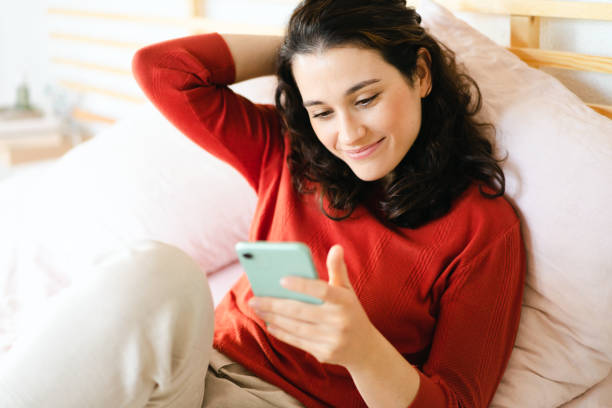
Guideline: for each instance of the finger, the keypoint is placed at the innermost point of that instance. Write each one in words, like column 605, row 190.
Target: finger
column 315, row 348
column 313, row 287
column 317, row 288
column 291, row 308
column 336, row 268
column 313, row 331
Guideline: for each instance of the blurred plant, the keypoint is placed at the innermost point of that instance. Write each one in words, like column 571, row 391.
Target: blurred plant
column 23, row 96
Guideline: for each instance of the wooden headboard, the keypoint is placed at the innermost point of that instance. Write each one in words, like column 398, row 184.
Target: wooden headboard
column 91, row 49
column 525, row 21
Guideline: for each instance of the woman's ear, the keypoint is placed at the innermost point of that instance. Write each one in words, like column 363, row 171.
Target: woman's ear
column 423, row 70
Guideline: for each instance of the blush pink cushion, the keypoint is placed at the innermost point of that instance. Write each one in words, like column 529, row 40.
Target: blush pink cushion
column 558, row 171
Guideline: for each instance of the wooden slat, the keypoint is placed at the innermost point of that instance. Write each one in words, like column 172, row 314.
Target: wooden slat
column 193, row 24
column 86, row 116
column 197, row 8
column 540, row 8
column 525, row 31
column 90, row 66
column 565, row 60
column 116, row 16
column 81, row 87
column 605, row 110
column 95, row 41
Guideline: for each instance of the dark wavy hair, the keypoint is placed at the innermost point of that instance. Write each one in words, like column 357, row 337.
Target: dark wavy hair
column 451, row 151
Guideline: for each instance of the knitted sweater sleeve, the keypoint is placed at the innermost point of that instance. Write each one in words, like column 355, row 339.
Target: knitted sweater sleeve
column 186, row 79
column 476, row 328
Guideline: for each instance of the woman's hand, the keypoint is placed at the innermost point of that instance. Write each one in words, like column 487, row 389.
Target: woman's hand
column 337, row 331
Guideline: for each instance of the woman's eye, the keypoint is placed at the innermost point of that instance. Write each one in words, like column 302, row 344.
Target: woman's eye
column 322, row 114
column 366, row 101
column 361, row 102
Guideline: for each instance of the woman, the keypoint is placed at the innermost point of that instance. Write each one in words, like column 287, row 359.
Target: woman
column 373, row 158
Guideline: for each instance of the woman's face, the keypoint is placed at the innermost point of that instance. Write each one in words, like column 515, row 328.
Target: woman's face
column 361, row 108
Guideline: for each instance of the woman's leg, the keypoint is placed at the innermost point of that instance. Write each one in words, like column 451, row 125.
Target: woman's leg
column 137, row 331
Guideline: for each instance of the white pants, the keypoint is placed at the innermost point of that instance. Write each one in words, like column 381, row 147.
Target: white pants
column 134, row 331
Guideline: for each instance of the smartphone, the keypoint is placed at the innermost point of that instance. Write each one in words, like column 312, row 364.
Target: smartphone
column 265, row 263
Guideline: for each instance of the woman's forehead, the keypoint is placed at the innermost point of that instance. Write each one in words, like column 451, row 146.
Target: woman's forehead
column 337, row 69
column 347, row 59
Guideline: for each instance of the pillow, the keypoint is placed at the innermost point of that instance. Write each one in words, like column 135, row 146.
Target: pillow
column 141, row 178
column 558, row 174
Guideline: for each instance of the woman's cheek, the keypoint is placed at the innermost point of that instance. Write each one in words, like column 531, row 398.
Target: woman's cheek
column 324, row 133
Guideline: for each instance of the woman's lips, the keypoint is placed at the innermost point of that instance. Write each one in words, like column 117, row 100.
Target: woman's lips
column 363, row 152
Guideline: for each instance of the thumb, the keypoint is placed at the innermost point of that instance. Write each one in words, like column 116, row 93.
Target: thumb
column 336, row 268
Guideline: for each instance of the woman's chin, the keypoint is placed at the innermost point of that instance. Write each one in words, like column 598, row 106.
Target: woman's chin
column 369, row 174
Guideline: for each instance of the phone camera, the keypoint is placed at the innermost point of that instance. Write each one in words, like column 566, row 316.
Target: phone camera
column 248, row 255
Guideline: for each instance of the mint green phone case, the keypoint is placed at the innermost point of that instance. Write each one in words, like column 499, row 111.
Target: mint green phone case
column 265, row 263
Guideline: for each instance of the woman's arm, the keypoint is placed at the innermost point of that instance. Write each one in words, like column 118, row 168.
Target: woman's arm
column 383, row 376
column 186, row 79
column 339, row 332
column 254, row 55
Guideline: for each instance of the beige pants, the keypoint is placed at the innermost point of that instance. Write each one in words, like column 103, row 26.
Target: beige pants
column 134, row 331
column 229, row 384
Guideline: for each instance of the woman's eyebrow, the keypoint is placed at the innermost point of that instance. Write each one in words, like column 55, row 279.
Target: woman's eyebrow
column 349, row 91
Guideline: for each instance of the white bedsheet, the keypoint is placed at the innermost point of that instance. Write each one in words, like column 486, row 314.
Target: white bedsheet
column 15, row 287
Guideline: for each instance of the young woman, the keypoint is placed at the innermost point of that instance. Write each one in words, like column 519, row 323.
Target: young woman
column 373, row 158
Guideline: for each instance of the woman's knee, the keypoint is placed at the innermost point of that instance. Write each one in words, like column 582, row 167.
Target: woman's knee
column 147, row 274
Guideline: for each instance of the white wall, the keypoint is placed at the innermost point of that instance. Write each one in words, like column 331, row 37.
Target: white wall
column 23, row 48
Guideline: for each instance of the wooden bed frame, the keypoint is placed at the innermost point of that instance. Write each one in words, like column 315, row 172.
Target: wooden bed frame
column 525, row 20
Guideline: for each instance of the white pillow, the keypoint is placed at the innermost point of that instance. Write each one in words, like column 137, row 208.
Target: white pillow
column 558, row 174
column 139, row 179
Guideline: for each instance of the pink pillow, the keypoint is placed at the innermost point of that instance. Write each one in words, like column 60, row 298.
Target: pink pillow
column 558, row 175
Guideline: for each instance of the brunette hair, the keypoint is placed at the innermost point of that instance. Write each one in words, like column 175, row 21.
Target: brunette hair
column 451, row 150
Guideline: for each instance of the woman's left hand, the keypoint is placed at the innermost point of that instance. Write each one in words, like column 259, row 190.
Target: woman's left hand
column 337, row 331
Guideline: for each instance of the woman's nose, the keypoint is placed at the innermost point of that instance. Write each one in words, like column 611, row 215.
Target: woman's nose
column 350, row 131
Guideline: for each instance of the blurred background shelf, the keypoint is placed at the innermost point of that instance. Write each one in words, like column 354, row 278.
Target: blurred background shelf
column 33, row 139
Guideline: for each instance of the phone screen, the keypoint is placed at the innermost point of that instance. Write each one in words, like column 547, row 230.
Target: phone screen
column 265, row 263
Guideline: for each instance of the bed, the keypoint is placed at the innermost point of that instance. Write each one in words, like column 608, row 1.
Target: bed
column 139, row 178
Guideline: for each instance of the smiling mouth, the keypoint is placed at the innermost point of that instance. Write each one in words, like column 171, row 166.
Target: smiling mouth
column 363, row 152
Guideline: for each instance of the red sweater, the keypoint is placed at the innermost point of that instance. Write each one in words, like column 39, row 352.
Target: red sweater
column 446, row 295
